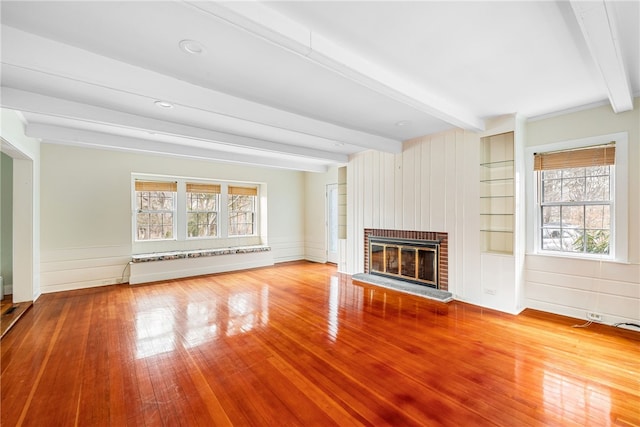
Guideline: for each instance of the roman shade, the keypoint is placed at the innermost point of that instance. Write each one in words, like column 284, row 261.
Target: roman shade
column 243, row 191
column 156, row 186
column 579, row 158
column 203, row 188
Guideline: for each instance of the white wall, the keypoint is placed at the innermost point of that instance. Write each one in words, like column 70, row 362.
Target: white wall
column 6, row 220
column 315, row 231
column 86, row 210
column 574, row 287
column 431, row 186
column 25, row 153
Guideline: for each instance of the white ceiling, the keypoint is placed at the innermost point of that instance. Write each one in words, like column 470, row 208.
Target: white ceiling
column 302, row 85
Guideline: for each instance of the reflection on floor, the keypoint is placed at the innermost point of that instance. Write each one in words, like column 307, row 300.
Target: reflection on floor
column 11, row 313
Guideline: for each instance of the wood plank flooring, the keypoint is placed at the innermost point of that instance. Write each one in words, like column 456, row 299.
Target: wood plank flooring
column 10, row 312
column 300, row 345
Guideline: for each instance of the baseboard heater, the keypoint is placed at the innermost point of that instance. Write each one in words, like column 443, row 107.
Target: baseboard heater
column 160, row 266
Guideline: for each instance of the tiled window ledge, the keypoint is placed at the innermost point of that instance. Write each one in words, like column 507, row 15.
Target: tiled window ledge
column 165, row 256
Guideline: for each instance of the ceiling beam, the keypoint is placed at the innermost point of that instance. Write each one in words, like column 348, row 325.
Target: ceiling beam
column 54, row 107
column 270, row 25
column 598, row 25
column 55, row 64
column 83, row 138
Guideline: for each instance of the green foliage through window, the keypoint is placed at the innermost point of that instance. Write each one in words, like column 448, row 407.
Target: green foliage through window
column 575, row 209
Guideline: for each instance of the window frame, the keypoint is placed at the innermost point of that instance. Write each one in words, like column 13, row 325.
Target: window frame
column 137, row 211
column 254, row 211
column 618, row 251
column 540, row 205
column 189, row 211
column 181, row 239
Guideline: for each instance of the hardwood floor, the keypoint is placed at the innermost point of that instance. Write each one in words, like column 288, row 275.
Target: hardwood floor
column 10, row 312
column 299, row 345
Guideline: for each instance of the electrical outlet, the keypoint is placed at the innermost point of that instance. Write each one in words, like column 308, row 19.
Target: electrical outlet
column 490, row 291
column 594, row 317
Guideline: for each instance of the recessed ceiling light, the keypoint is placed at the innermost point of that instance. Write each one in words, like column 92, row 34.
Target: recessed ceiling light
column 164, row 104
column 191, row 46
column 403, row 123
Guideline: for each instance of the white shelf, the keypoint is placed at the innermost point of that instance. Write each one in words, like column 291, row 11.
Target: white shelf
column 497, row 193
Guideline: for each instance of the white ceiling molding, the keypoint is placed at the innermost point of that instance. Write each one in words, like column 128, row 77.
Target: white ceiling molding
column 266, row 23
column 598, row 25
column 82, row 138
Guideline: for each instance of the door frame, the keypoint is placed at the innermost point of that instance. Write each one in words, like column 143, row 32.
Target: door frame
column 331, row 223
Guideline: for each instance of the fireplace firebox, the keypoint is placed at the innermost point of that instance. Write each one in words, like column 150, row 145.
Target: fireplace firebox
column 411, row 260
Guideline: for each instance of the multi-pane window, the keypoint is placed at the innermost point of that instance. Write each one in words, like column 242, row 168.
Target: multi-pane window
column 203, row 206
column 576, row 200
column 242, row 205
column 155, row 210
column 183, row 210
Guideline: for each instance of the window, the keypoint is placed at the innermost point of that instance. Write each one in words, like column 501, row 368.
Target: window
column 189, row 211
column 203, row 201
column 155, row 210
column 576, row 200
column 242, row 210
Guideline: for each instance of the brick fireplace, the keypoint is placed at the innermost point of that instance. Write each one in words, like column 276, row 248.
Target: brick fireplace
column 407, row 237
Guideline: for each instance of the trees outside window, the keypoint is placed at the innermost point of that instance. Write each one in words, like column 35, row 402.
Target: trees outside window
column 155, row 210
column 576, row 200
column 203, row 206
column 242, row 204
column 184, row 210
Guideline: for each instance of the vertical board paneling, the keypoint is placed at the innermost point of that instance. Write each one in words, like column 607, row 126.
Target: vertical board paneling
column 438, row 187
column 408, row 185
column 425, row 185
column 417, row 193
column 428, row 187
column 457, row 239
column 398, row 166
column 451, row 218
column 354, row 223
column 362, row 179
column 367, row 183
column 376, row 176
column 389, row 207
column 450, row 180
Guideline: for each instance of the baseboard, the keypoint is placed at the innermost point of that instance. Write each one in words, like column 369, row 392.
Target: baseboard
column 288, row 259
column 74, row 286
column 320, row 260
column 580, row 314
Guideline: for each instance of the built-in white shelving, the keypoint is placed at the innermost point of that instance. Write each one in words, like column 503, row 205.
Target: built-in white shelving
column 497, row 193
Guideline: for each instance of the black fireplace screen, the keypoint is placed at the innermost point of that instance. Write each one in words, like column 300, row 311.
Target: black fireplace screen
column 406, row 259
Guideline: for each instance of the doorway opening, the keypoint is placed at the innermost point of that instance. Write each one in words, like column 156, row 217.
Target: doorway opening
column 332, row 223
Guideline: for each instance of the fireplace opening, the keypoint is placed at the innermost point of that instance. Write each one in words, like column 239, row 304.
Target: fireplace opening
column 411, row 260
